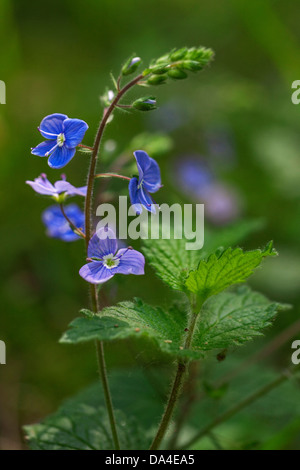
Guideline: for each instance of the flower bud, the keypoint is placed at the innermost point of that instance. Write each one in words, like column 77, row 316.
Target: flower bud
column 179, row 54
column 131, row 65
column 192, row 65
column 159, row 69
column 157, row 79
column 145, row 104
column 177, row 74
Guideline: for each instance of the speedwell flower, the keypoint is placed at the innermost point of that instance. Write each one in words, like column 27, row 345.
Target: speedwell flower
column 106, row 260
column 58, row 226
column 63, row 135
column 148, row 182
column 43, row 186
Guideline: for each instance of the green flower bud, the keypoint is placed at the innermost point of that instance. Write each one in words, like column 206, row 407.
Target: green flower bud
column 201, row 55
column 192, row 65
column 178, row 54
column 131, row 65
column 159, row 69
column 163, row 59
column 145, row 104
column 157, row 79
column 177, row 74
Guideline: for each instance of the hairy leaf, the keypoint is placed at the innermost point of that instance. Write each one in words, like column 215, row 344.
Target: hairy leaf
column 172, row 262
column 217, row 273
column 233, row 318
column 81, row 425
column 133, row 319
column 225, row 320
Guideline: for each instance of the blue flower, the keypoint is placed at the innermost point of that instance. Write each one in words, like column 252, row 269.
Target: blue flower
column 57, row 225
column 148, row 182
column 106, row 260
column 63, row 136
column 193, row 175
column 43, row 186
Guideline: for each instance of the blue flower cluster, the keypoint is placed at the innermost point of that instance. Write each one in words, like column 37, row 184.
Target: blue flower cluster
column 63, row 135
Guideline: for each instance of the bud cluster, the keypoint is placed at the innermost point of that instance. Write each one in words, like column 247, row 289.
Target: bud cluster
column 177, row 63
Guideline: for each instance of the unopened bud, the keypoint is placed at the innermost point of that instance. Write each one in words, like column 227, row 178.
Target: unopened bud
column 145, row 104
column 159, row 69
column 192, row 65
column 131, row 65
column 157, row 79
column 179, row 54
column 177, row 74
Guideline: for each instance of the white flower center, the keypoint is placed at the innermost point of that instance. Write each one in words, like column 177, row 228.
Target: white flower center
column 60, row 139
column 110, row 262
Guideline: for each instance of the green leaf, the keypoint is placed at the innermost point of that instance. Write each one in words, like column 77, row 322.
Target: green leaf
column 232, row 318
column 172, row 262
column 133, row 319
column 225, row 320
column 80, row 424
column 217, row 273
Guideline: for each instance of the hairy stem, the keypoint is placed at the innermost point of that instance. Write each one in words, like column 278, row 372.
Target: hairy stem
column 285, row 375
column 176, row 387
column 88, row 224
column 107, row 394
column 91, row 175
column 190, row 396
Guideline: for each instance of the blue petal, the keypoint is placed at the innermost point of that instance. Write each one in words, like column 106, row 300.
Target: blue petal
column 58, row 227
column 43, row 148
column 95, row 272
column 60, row 157
column 131, row 262
column 52, row 125
column 149, row 171
column 74, row 130
column 134, row 195
column 102, row 243
column 146, row 200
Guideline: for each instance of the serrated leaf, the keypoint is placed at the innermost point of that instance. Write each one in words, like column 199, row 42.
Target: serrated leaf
column 233, row 318
column 225, row 320
column 172, row 262
column 217, row 273
column 133, row 319
column 82, row 425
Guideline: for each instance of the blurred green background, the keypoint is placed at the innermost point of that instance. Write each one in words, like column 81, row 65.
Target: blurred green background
column 236, row 118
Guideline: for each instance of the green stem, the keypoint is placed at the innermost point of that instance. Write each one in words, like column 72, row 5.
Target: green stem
column 285, row 375
column 88, row 224
column 107, row 394
column 176, row 387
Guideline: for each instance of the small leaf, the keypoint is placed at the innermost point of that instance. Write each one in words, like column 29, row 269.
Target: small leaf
column 217, row 273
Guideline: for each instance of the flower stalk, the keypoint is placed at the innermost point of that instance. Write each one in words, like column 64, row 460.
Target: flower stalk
column 88, row 209
column 177, row 385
